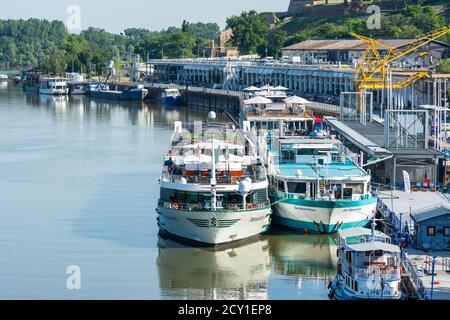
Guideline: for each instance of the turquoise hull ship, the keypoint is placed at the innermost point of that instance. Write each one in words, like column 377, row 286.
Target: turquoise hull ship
column 317, row 186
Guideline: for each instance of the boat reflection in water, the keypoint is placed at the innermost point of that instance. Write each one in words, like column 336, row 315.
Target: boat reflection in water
column 278, row 265
column 59, row 103
column 235, row 271
column 304, row 255
column 139, row 114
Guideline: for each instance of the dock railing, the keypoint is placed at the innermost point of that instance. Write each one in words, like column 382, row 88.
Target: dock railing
column 415, row 278
column 233, row 93
column 446, row 264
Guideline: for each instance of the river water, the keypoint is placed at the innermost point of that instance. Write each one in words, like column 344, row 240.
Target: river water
column 79, row 186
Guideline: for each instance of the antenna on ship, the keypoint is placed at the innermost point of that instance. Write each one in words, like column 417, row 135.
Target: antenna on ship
column 374, row 224
column 212, row 116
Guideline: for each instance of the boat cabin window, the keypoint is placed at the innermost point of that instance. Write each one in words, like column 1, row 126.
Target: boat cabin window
column 376, row 253
column 391, row 261
column 288, row 155
column 297, row 187
column 281, row 186
column 431, row 231
column 357, row 188
column 305, row 152
column 348, row 256
column 348, row 193
column 337, row 189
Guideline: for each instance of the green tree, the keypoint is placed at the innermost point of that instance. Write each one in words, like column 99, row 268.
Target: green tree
column 274, row 43
column 298, row 37
column 55, row 62
column 178, row 44
column 249, row 31
column 444, row 66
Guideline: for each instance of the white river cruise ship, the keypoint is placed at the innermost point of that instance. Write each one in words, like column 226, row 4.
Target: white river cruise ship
column 214, row 186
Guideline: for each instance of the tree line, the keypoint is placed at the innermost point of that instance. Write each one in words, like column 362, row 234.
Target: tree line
column 253, row 35
column 49, row 47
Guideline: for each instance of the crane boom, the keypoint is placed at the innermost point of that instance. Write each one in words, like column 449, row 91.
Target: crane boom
column 371, row 70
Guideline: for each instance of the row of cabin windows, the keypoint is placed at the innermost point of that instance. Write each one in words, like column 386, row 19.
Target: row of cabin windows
column 300, row 188
column 290, row 154
column 431, row 231
column 170, row 195
column 351, row 283
column 291, row 125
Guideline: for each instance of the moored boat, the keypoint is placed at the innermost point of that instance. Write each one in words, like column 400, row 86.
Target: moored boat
column 31, row 81
column 131, row 94
column 3, row 77
column 369, row 266
column 317, row 186
column 53, row 86
column 171, row 97
column 17, row 79
column 78, row 88
column 214, row 186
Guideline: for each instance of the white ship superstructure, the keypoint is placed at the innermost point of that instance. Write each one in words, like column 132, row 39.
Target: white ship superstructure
column 214, row 186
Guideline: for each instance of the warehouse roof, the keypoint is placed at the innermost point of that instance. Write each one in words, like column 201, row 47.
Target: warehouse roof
column 347, row 44
column 427, row 214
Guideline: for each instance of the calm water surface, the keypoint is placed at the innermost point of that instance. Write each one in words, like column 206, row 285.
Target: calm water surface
column 79, row 186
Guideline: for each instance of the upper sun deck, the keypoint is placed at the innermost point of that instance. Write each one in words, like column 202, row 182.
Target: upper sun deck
column 361, row 235
column 207, row 151
column 277, row 110
column 333, row 170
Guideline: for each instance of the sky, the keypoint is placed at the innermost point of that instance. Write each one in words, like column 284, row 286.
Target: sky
column 117, row 15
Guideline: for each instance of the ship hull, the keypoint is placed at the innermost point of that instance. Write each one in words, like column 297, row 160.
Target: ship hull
column 323, row 216
column 338, row 292
column 54, row 92
column 213, row 228
column 31, row 88
column 132, row 95
column 171, row 101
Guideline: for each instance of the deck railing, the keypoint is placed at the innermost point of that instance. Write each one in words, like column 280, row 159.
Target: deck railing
column 204, row 177
column 389, row 274
column 203, row 207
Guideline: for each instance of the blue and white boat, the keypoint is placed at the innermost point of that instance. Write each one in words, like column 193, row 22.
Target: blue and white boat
column 94, row 86
column 171, row 97
column 317, row 185
column 369, row 267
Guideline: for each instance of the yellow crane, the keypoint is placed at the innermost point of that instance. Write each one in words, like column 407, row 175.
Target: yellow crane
column 371, row 72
